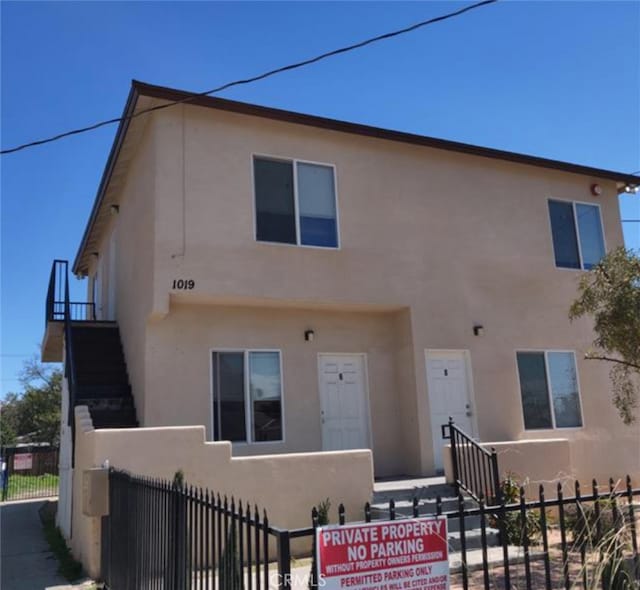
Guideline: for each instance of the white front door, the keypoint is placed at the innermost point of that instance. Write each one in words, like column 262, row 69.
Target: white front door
column 449, row 387
column 343, row 402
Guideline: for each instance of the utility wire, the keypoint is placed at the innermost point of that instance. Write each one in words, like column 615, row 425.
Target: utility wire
column 262, row 76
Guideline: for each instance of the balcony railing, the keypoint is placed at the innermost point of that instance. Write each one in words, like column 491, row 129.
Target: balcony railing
column 56, row 307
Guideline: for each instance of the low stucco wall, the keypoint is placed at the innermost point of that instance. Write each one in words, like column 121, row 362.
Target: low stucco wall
column 559, row 460
column 286, row 485
column 532, row 462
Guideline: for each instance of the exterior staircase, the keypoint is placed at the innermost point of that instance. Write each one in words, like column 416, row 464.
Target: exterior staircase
column 427, row 490
column 102, row 382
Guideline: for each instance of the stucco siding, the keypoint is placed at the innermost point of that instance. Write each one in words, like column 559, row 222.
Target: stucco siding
column 431, row 244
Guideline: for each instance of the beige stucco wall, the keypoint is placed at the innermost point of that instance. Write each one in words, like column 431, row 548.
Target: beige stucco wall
column 452, row 239
column 286, row 485
column 186, row 336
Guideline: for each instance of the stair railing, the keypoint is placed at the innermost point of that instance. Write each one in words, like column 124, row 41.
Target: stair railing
column 475, row 470
column 60, row 308
column 69, row 363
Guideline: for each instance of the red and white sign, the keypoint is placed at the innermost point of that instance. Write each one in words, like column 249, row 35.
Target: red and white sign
column 22, row 462
column 390, row 555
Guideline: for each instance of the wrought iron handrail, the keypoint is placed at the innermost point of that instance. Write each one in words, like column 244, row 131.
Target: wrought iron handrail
column 475, row 470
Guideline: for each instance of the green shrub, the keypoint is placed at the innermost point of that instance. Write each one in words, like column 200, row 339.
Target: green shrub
column 514, row 526
column 323, row 512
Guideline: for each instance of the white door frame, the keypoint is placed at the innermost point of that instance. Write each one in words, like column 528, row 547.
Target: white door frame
column 466, row 355
column 365, row 384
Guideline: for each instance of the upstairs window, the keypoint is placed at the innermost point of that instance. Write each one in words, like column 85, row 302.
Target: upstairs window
column 578, row 241
column 549, row 390
column 295, row 203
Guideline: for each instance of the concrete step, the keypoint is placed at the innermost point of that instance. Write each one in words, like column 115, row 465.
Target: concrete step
column 404, row 508
column 407, row 489
column 473, row 539
column 494, row 557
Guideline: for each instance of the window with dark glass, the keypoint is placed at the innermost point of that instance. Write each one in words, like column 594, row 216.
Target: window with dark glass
column 549, row 390
column 275, row 208
column 295, row 203
column 247, row 396
column 576, row 230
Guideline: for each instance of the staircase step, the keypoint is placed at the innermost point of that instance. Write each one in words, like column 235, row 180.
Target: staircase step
column 97, row 391
column 400, row 492
column 426, row 507
column 110, row 416
column 102, row 381
column 495, row 557
column 94, row 356
column 109, row 403
column 109, row 378
column 473, row 539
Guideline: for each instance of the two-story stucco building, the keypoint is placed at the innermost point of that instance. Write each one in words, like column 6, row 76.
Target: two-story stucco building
column 302, row 284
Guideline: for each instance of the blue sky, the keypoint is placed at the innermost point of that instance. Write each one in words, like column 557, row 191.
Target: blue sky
column 554, row 79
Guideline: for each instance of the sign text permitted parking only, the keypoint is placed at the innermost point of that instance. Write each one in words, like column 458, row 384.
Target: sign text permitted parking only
column 390, row 555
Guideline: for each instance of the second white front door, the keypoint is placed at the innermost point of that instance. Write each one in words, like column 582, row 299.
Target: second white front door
column 343, row 402
column 448, row 383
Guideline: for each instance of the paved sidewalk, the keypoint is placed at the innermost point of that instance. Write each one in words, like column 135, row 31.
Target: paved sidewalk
column 25, row 560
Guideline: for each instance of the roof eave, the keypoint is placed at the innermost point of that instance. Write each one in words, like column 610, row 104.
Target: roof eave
column 130, row 105
column 170, row 94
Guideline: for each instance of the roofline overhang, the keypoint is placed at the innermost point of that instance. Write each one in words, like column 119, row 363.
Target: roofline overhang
column 623, row 180
column 121, row 132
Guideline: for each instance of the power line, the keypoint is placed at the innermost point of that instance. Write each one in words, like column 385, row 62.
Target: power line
column 262, row 76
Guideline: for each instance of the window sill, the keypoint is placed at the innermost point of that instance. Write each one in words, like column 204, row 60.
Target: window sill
column 552, row 429
column 256, row 443
column 305, row 246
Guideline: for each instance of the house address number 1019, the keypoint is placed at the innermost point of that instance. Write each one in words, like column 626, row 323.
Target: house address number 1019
column 183, row 284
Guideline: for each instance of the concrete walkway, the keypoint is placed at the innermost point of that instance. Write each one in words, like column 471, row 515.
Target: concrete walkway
column 25, row 560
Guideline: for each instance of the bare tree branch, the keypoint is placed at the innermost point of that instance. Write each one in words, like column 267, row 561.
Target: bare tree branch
column 594, row 357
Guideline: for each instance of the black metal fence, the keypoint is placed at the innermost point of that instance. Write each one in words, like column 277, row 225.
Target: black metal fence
column 163, row 535
column 29, row 472
column 166, row 535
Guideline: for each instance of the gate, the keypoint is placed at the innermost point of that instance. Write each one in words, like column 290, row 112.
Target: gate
column 29, row 472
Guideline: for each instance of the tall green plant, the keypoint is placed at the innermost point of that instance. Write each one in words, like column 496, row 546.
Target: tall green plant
column 511, row 523
column 610, row 295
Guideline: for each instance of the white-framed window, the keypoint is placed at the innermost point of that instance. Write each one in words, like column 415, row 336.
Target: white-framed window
column 246, row 390
column 295, row 202
column 549, row 389
column 578, row 237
